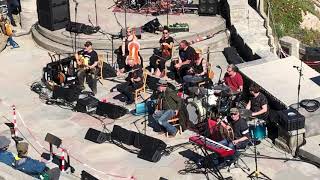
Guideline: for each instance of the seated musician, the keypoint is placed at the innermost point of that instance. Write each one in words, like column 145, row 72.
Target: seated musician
column 186, row 57
column 133, row 81
column 233, row 79
column 258, row 103
column 197, row 71
column 168, row 105
column 240, row 130
column 124, row 51
column 87, row 61
column 158, row 60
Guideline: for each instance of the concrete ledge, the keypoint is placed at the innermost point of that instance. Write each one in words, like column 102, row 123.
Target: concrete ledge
column 312, row 149
column 3, row 42
column 8, row 173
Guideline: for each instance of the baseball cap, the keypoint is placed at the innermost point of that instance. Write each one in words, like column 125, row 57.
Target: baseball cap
column 4, row 142
column 88, row 43
column 234, row 110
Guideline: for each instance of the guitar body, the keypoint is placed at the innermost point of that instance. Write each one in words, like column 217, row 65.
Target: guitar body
column 134, row 48
column 8, row 29
column 165, row 51
column 83, row 62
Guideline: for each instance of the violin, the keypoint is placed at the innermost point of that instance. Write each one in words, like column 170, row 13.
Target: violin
column 134, row 48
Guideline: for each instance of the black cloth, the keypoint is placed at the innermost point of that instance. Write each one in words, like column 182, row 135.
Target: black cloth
column 92, row 56
column 198, row 69
column 127, row 88
column 168, row 40
column 257, row 103
column 188, row 54
column 240, row 128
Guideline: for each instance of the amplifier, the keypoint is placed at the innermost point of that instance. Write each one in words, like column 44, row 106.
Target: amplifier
column 290, row 119
column 87, row 104
column 179, row 27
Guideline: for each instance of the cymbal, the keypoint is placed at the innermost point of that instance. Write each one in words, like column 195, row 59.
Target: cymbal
column 221, row 87
column 245, row 113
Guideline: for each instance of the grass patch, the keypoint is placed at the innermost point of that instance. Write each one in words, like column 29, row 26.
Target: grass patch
column 287, row 16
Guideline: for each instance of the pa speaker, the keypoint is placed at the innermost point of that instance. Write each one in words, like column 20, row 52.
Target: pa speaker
column 123, row 135
column 96, row 136
column 86, row 176
column 208, row 7
column 110, row 110
column 149, row 153
column 232, row 55
column 53, row 14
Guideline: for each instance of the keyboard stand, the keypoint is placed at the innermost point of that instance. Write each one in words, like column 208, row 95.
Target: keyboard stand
column 207, row 165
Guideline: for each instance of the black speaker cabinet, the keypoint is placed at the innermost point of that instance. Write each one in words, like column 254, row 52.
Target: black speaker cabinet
column 232, row 55
column 208, row 7
column 53, row 14
column 97, row 136
column 110, row 110
column 150, row 153
column 86, row 176
column 123, row 135
column 87, row 104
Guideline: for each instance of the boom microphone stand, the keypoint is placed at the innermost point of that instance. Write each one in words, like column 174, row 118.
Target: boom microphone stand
column 75, row 20
column 298, row 104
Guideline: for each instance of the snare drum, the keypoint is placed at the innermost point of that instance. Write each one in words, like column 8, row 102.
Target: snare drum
column 258, row 129
column 196, row 112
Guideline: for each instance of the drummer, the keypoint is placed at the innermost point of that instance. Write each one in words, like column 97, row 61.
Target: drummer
column 233, row 78
column 240, row 130
column 258, row 103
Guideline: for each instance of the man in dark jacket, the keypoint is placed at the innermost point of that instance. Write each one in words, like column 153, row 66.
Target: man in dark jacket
column 168, row 107
column 5, row 156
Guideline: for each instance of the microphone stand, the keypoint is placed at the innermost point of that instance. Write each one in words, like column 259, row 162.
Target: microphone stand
column 298, row 105
column 75, row 19
column 95, row 8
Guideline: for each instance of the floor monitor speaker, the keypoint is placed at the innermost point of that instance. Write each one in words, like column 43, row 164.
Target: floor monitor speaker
column 96, row 136
column 123, row 135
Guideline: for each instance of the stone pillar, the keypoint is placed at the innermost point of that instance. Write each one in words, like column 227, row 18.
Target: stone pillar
column 29, row 14
column 292, row 44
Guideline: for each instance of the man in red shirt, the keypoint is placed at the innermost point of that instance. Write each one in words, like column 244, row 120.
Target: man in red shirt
column 233, row 79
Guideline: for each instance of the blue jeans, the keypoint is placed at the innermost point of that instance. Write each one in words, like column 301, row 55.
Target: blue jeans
column 162, row 118
column 12, row 42
column 227, row 143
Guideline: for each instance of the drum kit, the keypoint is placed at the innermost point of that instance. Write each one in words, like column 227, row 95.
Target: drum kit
column 208, row 102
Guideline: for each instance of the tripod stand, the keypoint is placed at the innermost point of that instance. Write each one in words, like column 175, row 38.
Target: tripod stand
column 256, row 173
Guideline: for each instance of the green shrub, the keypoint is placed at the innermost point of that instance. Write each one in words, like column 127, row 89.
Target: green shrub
column 287, row 16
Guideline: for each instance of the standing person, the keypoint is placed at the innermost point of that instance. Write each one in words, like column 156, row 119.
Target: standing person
column 31, row 166
column 14, row 8
column 233, row 79
column 166, row 44
column 168, row 107
column 6, row 157
column 187, row 56
column 87, row 60
column 7, row 30
column 258, row 103
column 133, row 81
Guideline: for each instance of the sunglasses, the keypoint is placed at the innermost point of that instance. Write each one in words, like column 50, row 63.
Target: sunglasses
column 165, row 33
column 233, row 114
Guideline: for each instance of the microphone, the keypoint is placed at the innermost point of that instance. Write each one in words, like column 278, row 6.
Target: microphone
column 217, row 66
